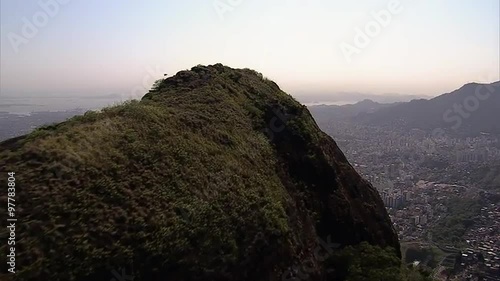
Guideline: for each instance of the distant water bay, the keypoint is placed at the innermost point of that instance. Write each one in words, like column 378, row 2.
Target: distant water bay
column 26, row 105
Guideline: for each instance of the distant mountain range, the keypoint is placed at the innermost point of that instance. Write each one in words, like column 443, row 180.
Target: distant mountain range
column 313, row 98
column 470, row 110
column 339, row 112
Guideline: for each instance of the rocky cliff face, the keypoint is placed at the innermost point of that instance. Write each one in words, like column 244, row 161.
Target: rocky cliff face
column 216, row 174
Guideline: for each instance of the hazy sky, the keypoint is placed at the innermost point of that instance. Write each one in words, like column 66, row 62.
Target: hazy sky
column 95, row 47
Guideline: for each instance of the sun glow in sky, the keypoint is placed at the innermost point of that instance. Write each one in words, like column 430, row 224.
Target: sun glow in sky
column 96, row 47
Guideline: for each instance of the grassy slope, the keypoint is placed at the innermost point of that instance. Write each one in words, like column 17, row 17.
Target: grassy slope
column 183, row 183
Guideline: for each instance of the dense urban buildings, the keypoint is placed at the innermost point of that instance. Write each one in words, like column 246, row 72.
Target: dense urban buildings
column 437, row 193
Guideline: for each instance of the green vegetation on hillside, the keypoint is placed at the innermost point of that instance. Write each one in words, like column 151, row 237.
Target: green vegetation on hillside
column 450, row 229
column 428, row 256
column 366, row 262
column 216, row 174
